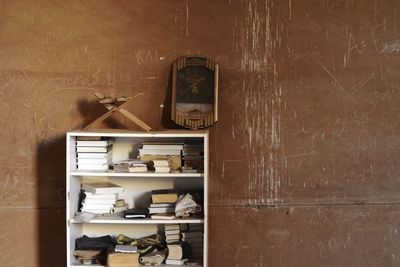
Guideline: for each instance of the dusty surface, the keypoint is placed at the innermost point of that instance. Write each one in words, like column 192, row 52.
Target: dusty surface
column 305, row 156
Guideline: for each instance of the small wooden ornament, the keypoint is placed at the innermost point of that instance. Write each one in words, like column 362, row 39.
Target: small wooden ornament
column 116, row 104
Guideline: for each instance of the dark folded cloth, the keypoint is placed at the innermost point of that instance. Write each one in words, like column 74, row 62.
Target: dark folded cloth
column 136, row 213
column 102, row 243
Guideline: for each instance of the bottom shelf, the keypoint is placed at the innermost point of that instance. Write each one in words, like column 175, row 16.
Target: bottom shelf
column 161, row 265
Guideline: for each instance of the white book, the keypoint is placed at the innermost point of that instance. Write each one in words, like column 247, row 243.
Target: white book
column 92, row 167
column 162, row 169
column 97, row 211
column 92, row 149
column 95, row 143
column 164, row 152
column 172, row 232
column 160, row 163
column 168, row 227
column 162, row 146
column 162, row 216
column 104, row 201
column 175, row 262
column 101, row 196
column 102, row 188
column 162, row 210
column 87, row 206
column 93, row 161
column 103, row 155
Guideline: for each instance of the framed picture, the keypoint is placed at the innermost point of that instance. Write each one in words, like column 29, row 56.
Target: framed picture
column 194, row 92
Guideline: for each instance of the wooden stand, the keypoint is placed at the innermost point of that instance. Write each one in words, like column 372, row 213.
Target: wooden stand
column 110, row 104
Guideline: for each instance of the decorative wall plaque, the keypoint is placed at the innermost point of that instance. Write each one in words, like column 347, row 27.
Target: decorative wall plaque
column 194, row 92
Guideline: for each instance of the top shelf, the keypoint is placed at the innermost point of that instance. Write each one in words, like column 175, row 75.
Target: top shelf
column 126, row 133
column 133, row 174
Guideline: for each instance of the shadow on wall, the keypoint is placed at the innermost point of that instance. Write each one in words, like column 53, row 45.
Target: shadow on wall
column 51, row 202
column 51, row 189
column 166, row 121
column 51, row 183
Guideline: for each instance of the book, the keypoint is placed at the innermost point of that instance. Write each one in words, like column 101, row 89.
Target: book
column 136, row 213
column 92, row 167
column 100, row 161
column 97, row 211
column 89, row 206
column 162, row 152
column 175, row 262
column 164, row 196
column 192, row 234
column 131, row 165
column 173, row 237
column 196, row 227
column 162, row 145
column 93, row 149
column 163, row 216
column 172, row 227
column 172, row 232
column 89, row 195
column 162, row 210
column 192, row 239
column 119, row 168
column 104, row 201
column 126, row 249
column 175, row 162
column 162, row 205
column 86, row 155
column 102, row 188
column 162, row 169
column 123, row 259
column 179, row 251
column 95, row 143
column 160, row 163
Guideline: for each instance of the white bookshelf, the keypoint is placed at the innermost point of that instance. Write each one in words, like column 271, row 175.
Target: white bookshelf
column 137, row 187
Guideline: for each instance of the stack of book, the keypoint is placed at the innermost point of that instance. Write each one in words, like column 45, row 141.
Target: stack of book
column 194, row 236
column 160, row 165
column 162, row 151
column 163, row 204
column 178, row 252
column 93, row 153
column 100, row 198
column 172, row 233
column 163, row 208
column 193, row 157
column 130, row 165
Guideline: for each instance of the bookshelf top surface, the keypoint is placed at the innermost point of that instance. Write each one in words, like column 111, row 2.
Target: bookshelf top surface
column 127, row 133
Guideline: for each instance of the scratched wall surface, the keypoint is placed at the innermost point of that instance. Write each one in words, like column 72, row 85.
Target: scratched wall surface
column 304, row 158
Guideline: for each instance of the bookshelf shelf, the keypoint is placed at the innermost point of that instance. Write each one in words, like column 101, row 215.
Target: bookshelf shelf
column 137, row 188
column 133, row 174
column 119, row 220
column 161, row 265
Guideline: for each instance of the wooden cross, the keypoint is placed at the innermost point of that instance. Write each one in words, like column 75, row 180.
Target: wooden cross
column 110, row 103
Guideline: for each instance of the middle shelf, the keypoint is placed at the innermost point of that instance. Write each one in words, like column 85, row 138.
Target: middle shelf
column 119, row 220
column 132, row 174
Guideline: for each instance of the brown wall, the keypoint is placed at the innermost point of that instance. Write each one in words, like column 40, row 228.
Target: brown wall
column 304, row 158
